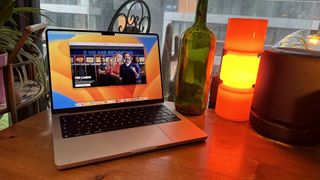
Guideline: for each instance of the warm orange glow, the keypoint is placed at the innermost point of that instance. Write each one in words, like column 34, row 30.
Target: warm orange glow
column 246, row 35
column 314, row 40
column 233, row 104
column 239, row 71
column 239, row 67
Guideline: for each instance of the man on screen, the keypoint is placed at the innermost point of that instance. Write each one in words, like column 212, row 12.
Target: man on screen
column 128, row 70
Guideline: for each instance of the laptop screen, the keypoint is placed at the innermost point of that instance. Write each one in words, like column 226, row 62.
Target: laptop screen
column 88, row 68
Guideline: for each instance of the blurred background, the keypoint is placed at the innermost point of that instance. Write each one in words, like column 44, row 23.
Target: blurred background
column 285, row 16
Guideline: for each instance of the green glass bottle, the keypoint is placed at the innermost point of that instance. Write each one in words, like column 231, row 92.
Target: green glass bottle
column 196, row 57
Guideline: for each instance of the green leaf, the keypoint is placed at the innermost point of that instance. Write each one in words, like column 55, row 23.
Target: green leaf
column 47, row 17
column 9, row 36
column 26, row 10
column 10, row 31
column 6, row 10
column 19, row 10
column 13, row 22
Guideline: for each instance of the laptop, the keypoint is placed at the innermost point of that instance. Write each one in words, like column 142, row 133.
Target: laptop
column 106, row 98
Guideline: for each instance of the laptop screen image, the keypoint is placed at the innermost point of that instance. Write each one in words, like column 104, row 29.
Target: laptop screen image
column 88, row 68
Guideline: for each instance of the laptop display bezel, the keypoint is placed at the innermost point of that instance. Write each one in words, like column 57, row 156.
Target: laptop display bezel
column 104, row 106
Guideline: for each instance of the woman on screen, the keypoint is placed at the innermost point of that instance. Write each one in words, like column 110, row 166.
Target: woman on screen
column 113, row 70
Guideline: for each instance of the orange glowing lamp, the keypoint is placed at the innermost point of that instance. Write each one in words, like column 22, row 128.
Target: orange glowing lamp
column 239, row 68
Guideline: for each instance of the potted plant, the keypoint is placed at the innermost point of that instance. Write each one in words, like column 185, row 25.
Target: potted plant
column 9, row 36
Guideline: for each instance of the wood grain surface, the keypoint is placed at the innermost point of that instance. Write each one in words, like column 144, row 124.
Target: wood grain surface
column 232, row 151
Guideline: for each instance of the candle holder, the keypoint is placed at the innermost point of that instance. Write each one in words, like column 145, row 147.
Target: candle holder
column 240, row 63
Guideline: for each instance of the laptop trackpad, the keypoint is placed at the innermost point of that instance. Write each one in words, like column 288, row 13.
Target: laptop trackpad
column 135, row 140
column 108, row 145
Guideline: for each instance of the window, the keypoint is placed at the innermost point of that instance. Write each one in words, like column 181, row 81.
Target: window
column 285, row 16
column 71, row 2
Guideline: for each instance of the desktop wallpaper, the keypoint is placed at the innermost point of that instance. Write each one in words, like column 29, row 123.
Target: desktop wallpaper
column 65, row 95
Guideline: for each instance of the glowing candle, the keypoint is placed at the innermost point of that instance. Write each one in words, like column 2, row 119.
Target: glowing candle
column 239, row 70
column 233, row 103
column 239, row 67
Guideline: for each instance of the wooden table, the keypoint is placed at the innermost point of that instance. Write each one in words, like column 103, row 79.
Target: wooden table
column 232, row 151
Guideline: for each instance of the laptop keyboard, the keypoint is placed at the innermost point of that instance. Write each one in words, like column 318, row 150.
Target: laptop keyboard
column 97, row 122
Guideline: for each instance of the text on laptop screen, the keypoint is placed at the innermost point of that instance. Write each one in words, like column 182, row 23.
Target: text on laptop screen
column 88, row 68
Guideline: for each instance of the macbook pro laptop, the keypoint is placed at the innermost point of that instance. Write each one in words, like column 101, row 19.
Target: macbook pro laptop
column 106, row 98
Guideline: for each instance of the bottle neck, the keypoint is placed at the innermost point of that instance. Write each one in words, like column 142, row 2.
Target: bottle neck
column 201, row 13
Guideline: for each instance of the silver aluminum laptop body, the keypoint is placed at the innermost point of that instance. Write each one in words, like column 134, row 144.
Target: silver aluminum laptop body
column 81, row 150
